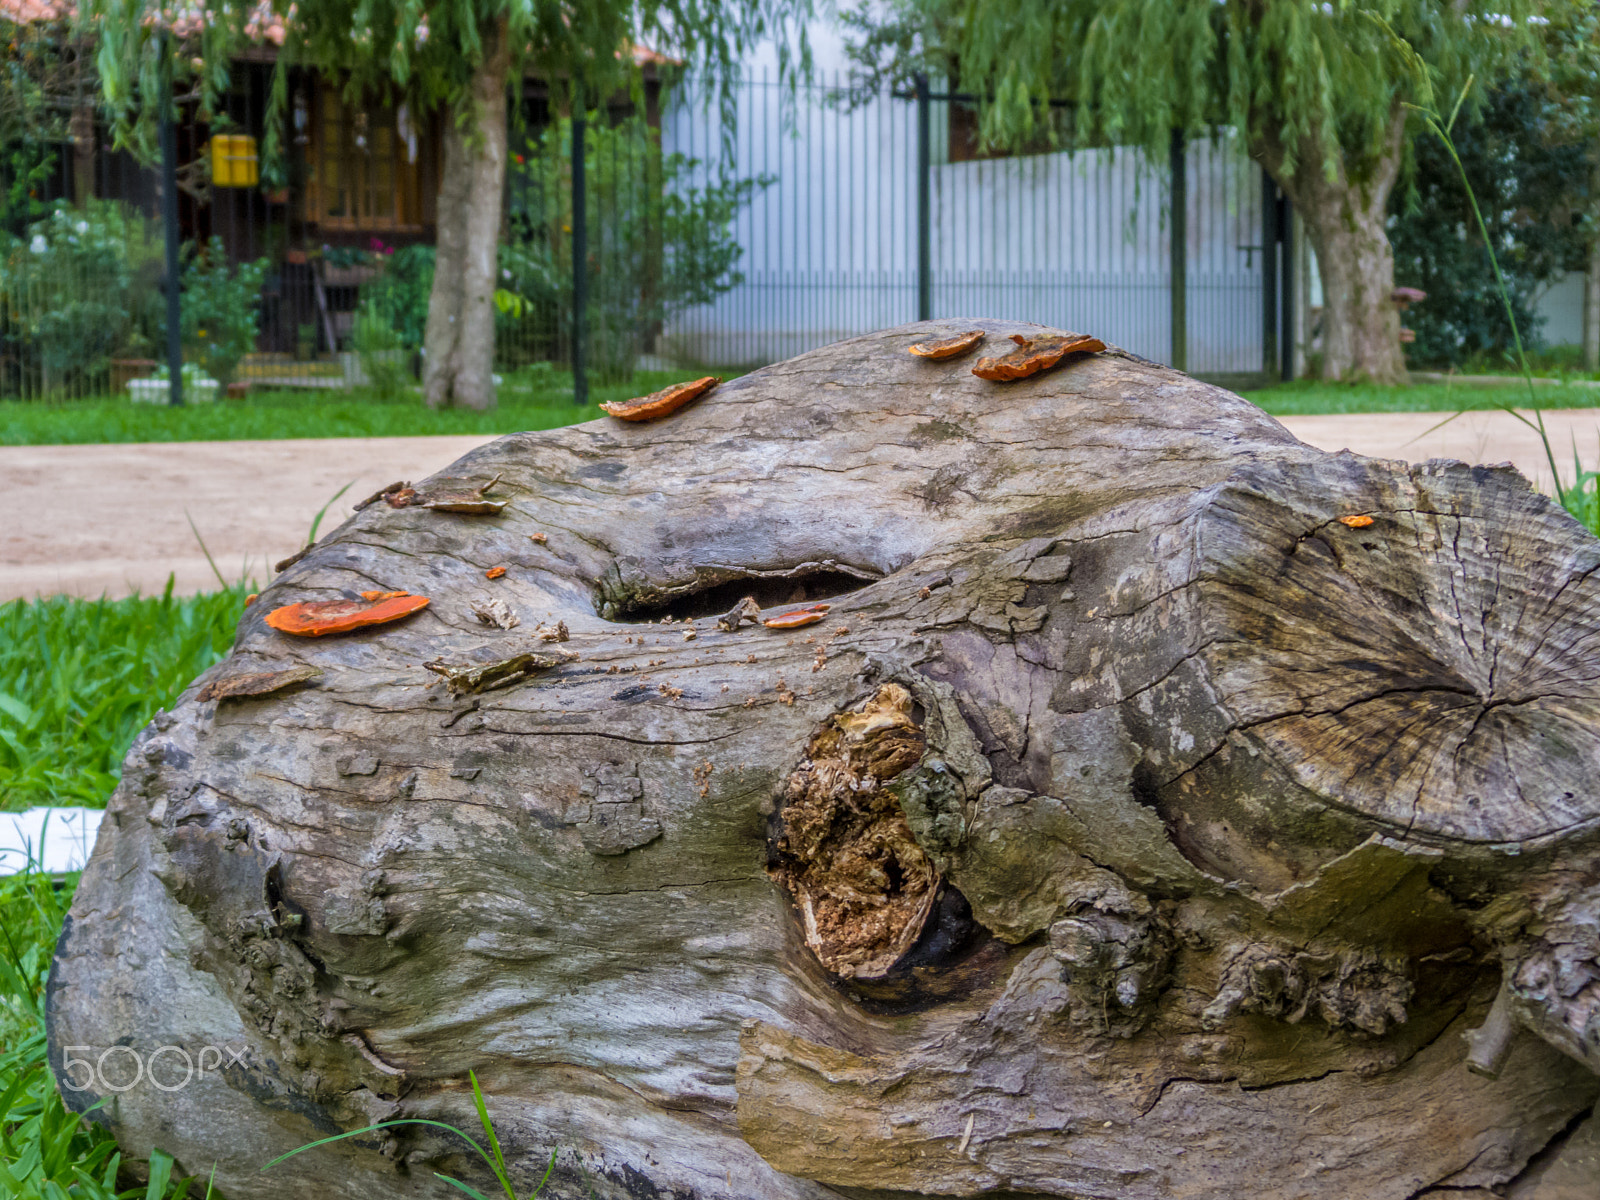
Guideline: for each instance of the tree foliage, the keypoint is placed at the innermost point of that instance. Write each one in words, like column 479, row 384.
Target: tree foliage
column 45, row 74
column 426, row 54
column 1321, row 78
column 1531, row 178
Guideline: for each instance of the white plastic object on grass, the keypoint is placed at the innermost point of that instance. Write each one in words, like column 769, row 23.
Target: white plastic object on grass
column 51, row 840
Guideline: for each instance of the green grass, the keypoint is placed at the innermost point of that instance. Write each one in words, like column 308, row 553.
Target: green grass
column 531, row 400
column 46, row 1151
column 1309, row 397
column 79, row 678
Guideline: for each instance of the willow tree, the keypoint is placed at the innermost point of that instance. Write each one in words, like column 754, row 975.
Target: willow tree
column 460, row 60
column 1319, row 90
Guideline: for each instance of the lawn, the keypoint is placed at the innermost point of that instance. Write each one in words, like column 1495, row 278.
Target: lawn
column 542, row 399
column 78, row 679
column 529, row 400
column 1309, row 397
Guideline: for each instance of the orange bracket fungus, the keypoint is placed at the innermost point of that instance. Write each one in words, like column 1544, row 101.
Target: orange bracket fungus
column 660, row 404
column 1356, row 521
column 382, row 595
column 314, row 618
column 494, row 572
column 948, row 347
column 795, row 618
column 1033, row 355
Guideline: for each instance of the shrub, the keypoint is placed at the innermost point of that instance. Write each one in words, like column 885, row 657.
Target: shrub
column 1530, row 180
column 70, row 292
column 400, row 294
column 381, row 349
column 217, row 313
column 658, row 244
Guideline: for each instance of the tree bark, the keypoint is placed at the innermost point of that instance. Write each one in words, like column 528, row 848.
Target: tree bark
column 460, row 334
column 83, row 141
column 1345, row 220
column 1156, row 808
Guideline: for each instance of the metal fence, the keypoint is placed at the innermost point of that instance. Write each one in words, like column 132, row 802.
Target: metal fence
column 818, row 214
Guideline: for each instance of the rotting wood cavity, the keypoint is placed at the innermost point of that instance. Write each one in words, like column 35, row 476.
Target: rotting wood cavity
column 716, row 599
column 842, row 847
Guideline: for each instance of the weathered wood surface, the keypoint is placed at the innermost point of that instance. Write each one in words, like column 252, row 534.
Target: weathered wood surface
column 1235, row 816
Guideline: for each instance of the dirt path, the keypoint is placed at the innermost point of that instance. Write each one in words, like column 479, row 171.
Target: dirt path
column 88, row 520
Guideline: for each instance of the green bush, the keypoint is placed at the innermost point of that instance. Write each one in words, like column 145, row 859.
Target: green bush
column 400, row 294
column 75, row 292
column 658, row 244
column 381, row 350
column 1529, row 179
column 217, row 312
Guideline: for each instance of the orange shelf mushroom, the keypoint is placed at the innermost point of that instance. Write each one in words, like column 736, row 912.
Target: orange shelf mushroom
column 795, row 618
column 1033, row 355
column 660, row 404
column 948, row 347
column 314, row 618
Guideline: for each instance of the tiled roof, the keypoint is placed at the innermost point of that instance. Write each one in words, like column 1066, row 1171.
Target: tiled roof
column 264, row 24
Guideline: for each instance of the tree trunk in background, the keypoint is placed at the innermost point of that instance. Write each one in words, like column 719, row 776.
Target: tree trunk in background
column 1156, row 808
column 1591, row 279
column 82, row 130
column 460, row 334
column 1344, row 220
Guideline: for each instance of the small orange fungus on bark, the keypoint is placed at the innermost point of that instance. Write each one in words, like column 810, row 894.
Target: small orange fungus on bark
column 314, row 618
column 1033, row 355
column 660, row 404
column 795, row 618
column 948, row 347
column 382, row 595
column 1356, row 521
column 494, row 572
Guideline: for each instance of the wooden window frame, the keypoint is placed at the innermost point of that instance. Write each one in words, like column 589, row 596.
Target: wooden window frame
column 406, row 214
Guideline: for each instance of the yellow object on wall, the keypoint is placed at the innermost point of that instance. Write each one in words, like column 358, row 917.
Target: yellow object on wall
column 234, row 162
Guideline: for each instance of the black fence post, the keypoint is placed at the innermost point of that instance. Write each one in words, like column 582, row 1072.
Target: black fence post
column 1178, row 245
column 924, row 205
column 1286, row 338
column 169, row 219
column 580, row 255
column 1270, row 237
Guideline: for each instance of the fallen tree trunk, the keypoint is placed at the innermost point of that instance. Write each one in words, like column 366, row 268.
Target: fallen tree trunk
column 1156, row 807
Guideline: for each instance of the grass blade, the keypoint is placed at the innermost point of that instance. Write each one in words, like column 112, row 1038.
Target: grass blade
column 339, row 1137
column 215, row 570
column 316, row 522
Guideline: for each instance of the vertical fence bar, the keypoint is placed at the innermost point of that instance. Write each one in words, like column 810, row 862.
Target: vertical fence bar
column 1178, row 272
column 924, row 205
column 580, row 255
column 169, row 220
column 1286, row 238
column 1270, row 238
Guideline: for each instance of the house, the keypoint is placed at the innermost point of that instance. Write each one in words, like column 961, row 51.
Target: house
column 357, row 176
